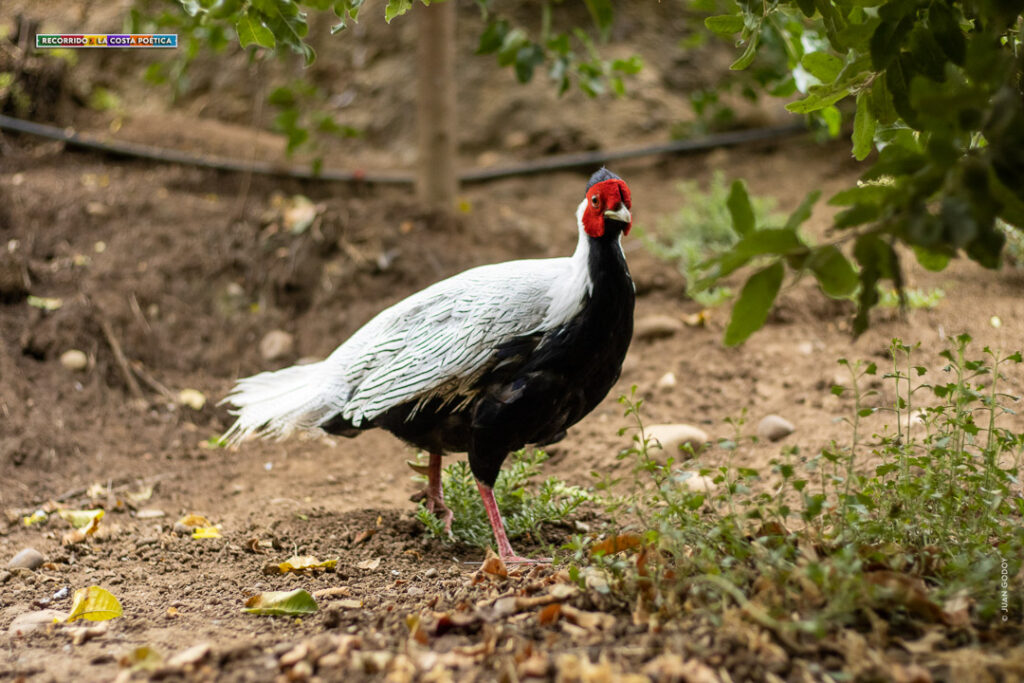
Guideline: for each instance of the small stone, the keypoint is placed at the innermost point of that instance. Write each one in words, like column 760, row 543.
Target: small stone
column 430, row 573
column 696, row 482
column 189, row 657
column 805, row 347
column 672, row 436
column 656, row 327
column 29, row 558
column 74, row 360
column 149, row 513
column 667, row 381
column 193, row 398
column 30, row 622
column 415, row 592
column 276, row 344
column 517, row 138
column 774, row 427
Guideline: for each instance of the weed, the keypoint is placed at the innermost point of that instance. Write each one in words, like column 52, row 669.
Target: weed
column 914, row 299
column 923, row 514
column 700, row 228
column 524, row 505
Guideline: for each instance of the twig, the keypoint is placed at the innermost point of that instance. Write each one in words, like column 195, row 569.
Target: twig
column 120, row 482
column 115, row 346
column 133, row 303
column 152, row 382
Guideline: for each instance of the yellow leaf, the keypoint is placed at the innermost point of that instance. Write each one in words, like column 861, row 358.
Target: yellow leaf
column 81, row 518
column 34, row 518
column 193, row 521
column 94, row 604
column 206, row 532
column 192, row 398
column 301, row 563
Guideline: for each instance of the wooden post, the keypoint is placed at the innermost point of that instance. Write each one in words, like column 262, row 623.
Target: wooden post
column 436, row 179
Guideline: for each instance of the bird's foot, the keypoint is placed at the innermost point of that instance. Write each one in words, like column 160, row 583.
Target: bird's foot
column 441, row 511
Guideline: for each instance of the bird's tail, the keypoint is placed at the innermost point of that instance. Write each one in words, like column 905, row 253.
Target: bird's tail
column 275, row 404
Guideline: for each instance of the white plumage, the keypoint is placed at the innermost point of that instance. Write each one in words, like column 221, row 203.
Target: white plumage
column 433, row 344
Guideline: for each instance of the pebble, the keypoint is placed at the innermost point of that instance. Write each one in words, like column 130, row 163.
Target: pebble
column 30, row 622
column 74, row 360
column 672, row 436
column 667, row 381
column 696, row 482
column 656, row 327
column 191, row 656
column 29, row 558
column 276, row 344
column 774, row 427
column 430, row 573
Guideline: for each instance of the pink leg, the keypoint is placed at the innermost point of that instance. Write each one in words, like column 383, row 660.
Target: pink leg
column 435, row 493
column 498, row 526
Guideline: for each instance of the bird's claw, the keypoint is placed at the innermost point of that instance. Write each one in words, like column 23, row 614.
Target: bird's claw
column 443, row 512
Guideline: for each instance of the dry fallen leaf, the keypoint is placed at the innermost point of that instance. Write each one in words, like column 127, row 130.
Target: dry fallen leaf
column 362, row 536
column 494, row 565
column 369, row 564
column 616, row 544
column 143, row 658
column 79, row 535
column 549, row 614
column 206, row 532
column 306, row 563
column 94, row 604
column 81, row 518
column 281, row 603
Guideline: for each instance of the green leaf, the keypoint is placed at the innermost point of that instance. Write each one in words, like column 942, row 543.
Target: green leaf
column 815, row 101
column 931, row 260
column 751, row 309
column 281, row 603
column 396, row 8
column 602, row 12
column 527, row 58
column 833, row 271
column 863, row 128
column 282, row 97
column 803, row 212
column 947, row 31
column 748, row 54
column 823, row 66
column 740, row 208
column 724, row 25
column 833, row 120
column 492, row 37
column 251, row 31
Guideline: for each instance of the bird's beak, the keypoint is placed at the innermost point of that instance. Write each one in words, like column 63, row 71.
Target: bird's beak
column 621, row 214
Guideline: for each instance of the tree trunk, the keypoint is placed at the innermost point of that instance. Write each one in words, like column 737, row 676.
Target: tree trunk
column 436, row 180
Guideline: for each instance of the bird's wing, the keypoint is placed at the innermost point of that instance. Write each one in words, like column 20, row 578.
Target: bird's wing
column 437, row 343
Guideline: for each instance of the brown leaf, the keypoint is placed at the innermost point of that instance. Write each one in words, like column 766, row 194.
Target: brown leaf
column 907, row 591
column 671, row 667
column 494, row 565
column 332, row 592
column 363, row 536
column 549, row 615
column 591, row 621
column 617, row 544
column 369, row 564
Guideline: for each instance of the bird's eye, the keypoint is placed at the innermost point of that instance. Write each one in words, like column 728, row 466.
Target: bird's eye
column 594, row 200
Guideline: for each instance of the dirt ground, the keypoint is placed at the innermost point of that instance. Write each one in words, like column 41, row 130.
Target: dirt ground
column 186, row 271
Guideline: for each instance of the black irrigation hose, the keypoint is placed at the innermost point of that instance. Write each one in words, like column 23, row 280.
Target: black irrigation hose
column 553, row 163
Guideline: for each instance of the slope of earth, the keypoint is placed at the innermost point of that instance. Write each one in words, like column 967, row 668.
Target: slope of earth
column 185, row 271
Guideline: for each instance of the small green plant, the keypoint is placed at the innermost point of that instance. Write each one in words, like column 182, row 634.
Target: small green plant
column 923, row 513
column 701, row 227
column 524, row 504
column 913, row 298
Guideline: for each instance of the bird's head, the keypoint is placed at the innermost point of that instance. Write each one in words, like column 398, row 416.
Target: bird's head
column 606, row 208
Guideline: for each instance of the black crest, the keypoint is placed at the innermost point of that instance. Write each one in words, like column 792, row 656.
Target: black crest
column 600, row 176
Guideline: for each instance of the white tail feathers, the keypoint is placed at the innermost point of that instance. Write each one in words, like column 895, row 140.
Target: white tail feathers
column 275, row 404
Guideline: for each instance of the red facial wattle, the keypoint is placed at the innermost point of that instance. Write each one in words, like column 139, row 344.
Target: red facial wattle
column 608, row 195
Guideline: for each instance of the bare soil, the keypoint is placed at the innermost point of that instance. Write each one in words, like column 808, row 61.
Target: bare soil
column 186, row 270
